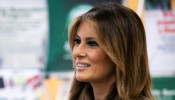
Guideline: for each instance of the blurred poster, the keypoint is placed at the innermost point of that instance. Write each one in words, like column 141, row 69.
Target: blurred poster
column 160, row 29
column 23, row 33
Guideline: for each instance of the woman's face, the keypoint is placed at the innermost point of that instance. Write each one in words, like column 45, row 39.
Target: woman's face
column 91, row 63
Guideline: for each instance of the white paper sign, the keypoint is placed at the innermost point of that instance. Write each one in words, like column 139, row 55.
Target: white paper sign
column 23, row 33
column 160, row 30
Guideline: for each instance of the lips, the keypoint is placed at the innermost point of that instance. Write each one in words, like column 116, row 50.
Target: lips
column 83, row 64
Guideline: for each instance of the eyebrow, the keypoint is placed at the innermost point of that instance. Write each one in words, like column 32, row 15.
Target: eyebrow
column 88, row 38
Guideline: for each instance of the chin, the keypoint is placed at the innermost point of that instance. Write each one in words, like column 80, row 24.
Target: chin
column 81, row 79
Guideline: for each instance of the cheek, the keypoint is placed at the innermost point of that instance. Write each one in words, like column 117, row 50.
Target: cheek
column 103, row 66
column 95, row 57
column 104, row 60
column 98, row 57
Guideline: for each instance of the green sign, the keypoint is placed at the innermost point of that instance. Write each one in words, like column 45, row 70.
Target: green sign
column 164, row 88
column 60, row 14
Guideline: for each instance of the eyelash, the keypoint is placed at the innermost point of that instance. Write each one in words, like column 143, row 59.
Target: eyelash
column 89, row 43
column 77, row 41
column 92, row 43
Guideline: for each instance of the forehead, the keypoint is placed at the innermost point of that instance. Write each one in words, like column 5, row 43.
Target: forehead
column 86, row 29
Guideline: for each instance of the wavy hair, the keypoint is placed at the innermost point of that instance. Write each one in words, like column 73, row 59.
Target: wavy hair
column 121, row 34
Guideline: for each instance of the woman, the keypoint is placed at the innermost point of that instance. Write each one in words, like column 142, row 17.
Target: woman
column 109, row 51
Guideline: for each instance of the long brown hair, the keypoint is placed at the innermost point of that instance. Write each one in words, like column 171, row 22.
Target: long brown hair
column 120, row 33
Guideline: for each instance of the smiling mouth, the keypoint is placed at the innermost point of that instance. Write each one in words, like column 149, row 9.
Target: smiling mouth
column 83, row 65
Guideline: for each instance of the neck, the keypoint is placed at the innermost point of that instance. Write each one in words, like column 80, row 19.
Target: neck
column 101, row 90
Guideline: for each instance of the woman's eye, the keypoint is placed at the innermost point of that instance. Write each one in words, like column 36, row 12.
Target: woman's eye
column 92, row 43
column 77, row 41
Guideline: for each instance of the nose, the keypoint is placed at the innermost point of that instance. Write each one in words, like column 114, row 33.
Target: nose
column 79, row 51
